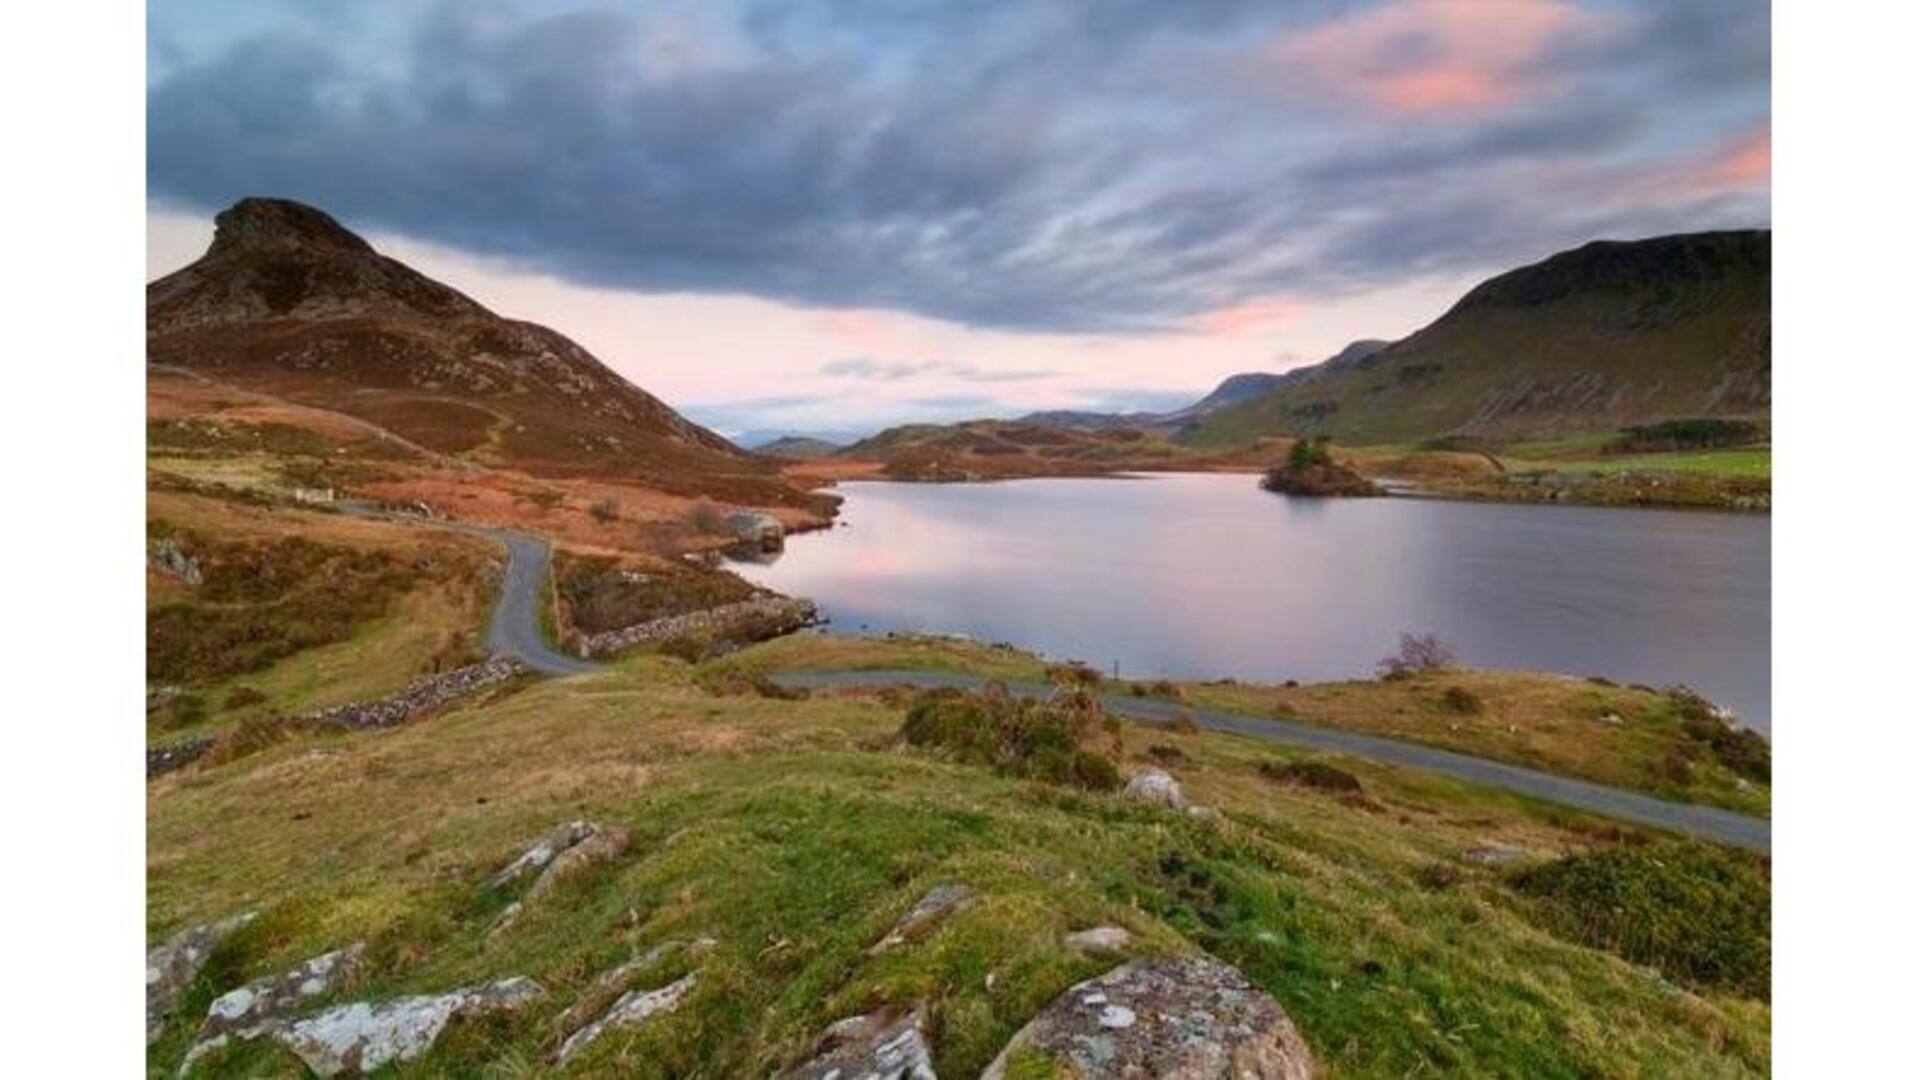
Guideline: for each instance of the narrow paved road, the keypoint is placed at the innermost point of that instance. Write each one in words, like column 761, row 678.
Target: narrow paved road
column 514, row 629
column 1706, row 822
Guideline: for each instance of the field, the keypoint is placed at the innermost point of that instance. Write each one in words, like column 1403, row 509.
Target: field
column 794, row 832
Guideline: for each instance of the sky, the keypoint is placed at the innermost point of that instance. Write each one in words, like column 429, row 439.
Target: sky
column 834, row 215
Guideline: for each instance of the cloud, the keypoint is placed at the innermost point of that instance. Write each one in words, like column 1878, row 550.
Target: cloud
column 1065, row 168
column 894, row 371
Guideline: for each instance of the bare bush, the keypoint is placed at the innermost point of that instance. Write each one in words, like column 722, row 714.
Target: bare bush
column 1418, row 653
column 604, row 511
column 706, row 517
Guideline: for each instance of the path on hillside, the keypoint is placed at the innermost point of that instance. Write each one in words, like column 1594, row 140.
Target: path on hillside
column 514, row 628
column 1706, row 822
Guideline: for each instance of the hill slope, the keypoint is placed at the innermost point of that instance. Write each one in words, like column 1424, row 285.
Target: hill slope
column 289, row 302
column 1609, row 334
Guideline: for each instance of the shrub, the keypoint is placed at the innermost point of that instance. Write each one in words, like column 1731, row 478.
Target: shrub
column 242, row 696
column 1313, row 774
column 184, row 710
column 692, row 648
column 1184, row 723
column 1418, row 653
column 706, row 517
column 1063, row 739
column 1462, row 700
column 604, row 511
column 1306, row 453
column 1073, row 673
column 1166, row 754
column 1699, row 914
column 1743, row 750
column 1701, row 433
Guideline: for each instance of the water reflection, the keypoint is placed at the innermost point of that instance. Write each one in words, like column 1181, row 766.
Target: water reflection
column 1207, row 576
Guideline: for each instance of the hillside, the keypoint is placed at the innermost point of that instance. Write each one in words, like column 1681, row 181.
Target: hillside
column 1004, row 449
column 288, row 302
column 1589, row 340
column 799, row 447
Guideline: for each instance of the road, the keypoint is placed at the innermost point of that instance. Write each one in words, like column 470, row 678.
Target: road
column 1705, row 822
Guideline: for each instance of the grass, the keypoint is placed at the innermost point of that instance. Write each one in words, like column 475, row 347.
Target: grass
column 1745, row 462
column 1623, row 736
column 795, row 832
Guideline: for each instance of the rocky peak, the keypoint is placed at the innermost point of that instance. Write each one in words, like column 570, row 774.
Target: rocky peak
column 262, row 224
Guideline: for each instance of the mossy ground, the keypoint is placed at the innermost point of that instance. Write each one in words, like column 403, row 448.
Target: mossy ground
column 795, row 832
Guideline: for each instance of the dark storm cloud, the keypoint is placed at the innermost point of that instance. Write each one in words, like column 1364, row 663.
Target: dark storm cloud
column 1066, row 165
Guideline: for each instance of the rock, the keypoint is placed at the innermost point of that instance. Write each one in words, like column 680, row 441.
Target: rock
column 877, row 1046
column 1192, row 1018
column 177, row 755
column 165, row 555
column 262, row 1005
column 1100, row 939
column 173, row 965
column 933, row 908
column 362, row 1037
column 634, row 1008
column 1155, row 787
column 1611, row 717
column 1493, row 855
column 612, row 982
column 598, row 847
column 558, row 839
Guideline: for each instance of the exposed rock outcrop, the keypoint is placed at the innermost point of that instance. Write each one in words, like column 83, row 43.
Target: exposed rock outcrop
column 558, row 839
column 1328, row 478
column 615, row 981
column 756, row 619
column 633, row 1009
column 362, row 1037
column 263, row 1005
column 920, row 920
column 173, row 965
column 877, row 1046
column 1155, row 787
column 1193, row 1018
column 1100, row 939
column 176, row 755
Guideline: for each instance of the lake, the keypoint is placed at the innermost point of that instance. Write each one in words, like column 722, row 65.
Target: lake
column 1207, row 576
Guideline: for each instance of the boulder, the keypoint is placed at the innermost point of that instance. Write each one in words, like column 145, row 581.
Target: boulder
column 1191, row 1018
column 1100, row 939
column 933, row 909
column 558, row 839
column 1156, row 787
column 263, row 1005
column 634, row 1008
column 877, row 1046
column 362, row 1037
column 173, row 965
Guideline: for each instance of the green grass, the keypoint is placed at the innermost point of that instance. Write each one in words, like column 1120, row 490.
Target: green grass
column 795, row 832
column 1745, row 462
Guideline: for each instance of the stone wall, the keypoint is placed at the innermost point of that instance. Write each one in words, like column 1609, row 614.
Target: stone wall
column 746, row 620
column 423, row 695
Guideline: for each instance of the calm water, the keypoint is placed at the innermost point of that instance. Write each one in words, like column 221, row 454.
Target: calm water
column 1207, row 576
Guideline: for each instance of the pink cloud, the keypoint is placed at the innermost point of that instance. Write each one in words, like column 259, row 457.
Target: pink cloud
column 1249, row 316
column 1745, row 162
column 1433, row 56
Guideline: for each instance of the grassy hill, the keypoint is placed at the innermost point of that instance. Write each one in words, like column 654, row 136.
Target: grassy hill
column 1405, row 923
column 1595, row 339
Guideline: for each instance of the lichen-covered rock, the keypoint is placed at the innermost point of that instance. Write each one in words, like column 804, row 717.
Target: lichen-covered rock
column 877, row 1046
column 261, row 1006
column 634, row 1008
column 363, row 1036
column 601, row 845
column 1192, row 1018
column 755, row 619
column 558, row 839
column 1156, row 787
column 1109, row 939
column 173, row 965
column 614, row 981
column 933, row 908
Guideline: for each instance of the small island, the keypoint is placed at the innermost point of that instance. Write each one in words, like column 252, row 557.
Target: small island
column 1311, row 470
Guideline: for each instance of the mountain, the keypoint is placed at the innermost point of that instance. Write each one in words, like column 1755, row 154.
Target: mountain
column 1606, row 335
column 1234, row 388
column 289, row 302
column 798, row 446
